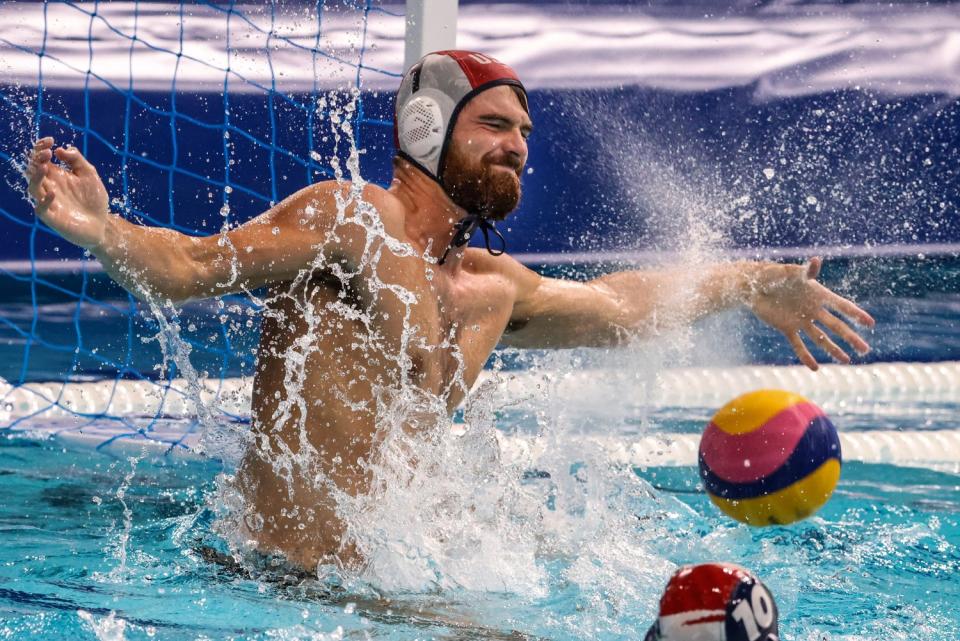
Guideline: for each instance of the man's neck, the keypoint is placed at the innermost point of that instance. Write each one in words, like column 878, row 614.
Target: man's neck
column 431, row 213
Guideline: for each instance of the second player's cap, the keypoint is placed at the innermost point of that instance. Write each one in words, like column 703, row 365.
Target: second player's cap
column 715, row 602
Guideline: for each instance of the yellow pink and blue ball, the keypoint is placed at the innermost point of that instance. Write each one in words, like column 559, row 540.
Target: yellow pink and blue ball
column 770, row 457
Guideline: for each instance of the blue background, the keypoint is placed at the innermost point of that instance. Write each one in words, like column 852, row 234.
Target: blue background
column 612, row 169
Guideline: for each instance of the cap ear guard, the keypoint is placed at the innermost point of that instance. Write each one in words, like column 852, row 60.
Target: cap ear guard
column 421, row 129
column 422, row 126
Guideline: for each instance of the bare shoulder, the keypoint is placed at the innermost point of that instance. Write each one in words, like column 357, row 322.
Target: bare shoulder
column 388, row 207
column 331, row 196
column 481, row 262
column 330, row 204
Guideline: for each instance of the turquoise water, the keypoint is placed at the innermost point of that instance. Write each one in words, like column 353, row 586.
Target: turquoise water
column 106, row 546
column 93, row 540
column 99, row 545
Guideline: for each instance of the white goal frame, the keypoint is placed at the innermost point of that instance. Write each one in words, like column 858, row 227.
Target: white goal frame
column 431, row 25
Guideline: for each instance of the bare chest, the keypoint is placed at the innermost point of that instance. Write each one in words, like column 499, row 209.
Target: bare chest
column 433, row 334
column 458, row 325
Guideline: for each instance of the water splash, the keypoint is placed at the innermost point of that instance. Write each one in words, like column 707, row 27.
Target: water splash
column 443, row 512
column 108, row 628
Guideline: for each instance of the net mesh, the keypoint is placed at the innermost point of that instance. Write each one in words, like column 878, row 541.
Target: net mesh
column 198, row 116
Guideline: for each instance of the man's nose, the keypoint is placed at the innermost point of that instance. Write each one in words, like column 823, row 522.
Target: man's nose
column 515, row 144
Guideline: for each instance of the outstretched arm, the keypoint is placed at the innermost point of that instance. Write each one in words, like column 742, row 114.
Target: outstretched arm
column 153, row 261
column 615, row 308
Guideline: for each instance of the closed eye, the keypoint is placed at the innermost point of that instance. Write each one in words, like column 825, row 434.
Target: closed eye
column 503, row 124
column 496, row 123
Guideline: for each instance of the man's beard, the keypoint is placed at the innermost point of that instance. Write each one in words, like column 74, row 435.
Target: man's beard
column 473, row 186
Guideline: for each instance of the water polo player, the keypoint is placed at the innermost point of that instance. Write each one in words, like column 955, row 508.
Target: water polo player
column 715, row 602
column 351, row 335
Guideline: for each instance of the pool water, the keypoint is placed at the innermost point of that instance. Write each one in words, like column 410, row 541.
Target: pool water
column 109, row 544
column 105, row 546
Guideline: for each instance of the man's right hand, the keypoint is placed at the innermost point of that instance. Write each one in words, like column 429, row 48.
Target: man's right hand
column 277, row 246
column 71, row 198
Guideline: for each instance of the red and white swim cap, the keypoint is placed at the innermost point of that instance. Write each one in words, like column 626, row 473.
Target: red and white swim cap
column 715, row 602
column 431, row 95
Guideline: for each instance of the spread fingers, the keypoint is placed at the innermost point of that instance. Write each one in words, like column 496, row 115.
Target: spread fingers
column 41, row 156
column 36, row 172
column 44, row 144
column 819, row 336
column 74, row 159
column 844, row 331
column 850, row 310
column 801, row 350
column 38, row 167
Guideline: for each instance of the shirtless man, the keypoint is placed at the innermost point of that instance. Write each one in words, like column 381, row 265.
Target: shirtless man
column 355, row 315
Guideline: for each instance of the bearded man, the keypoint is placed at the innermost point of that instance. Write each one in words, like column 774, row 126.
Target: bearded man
column 373, row 292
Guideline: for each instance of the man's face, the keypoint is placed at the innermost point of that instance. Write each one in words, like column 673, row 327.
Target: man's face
column 488, row 150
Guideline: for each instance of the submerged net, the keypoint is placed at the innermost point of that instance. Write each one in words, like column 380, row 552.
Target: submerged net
column 198, row 117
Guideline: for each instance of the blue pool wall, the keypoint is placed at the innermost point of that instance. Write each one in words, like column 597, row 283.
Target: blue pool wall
column 618, row 169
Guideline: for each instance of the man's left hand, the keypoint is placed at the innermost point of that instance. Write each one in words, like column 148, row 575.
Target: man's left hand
column 789, row 299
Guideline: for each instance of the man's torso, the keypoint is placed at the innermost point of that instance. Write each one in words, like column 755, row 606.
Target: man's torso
column 335, row 356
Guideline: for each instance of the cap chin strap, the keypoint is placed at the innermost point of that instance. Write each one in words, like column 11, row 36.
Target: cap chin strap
column 469, row 224
column 465, row 229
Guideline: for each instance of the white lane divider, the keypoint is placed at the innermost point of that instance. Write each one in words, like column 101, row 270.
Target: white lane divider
column 915, row 448
column 688, row 387
column 62, row 410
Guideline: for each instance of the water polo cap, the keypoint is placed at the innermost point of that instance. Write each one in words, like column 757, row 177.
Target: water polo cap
column 715, row 602
column 431, row 96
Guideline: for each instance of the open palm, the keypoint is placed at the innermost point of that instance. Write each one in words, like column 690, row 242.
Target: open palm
column 69, row 197
column 789, row 299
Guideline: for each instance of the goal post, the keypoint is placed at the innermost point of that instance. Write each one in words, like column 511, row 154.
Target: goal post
column 431, row 25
